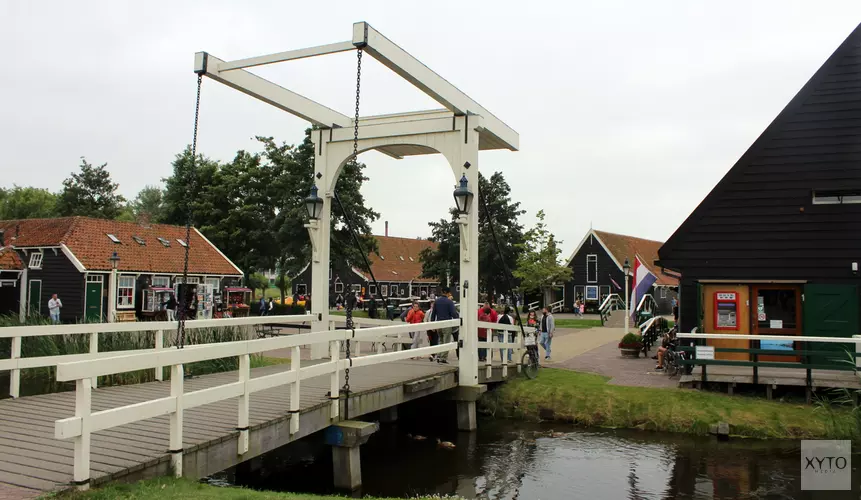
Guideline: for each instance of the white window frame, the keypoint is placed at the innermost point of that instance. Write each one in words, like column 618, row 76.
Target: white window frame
column 215, row 282
column 601, row 288
column 372, row 289
column 162, row 280
column 357, row 288
column 663, row 292
column 301, row 288
column 36, row 263
column 582, row 290
column 836, row 197
column 121, row 287
column 339, row 287
column 384, row 290
column 597, row 295
column 192, row 280
column 394, row 291
column 113, row 238
column 95, row 278
column 592, row 259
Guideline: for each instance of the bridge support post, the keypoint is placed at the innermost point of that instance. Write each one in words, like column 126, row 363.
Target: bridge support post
column 345, row 438
column 465, row 396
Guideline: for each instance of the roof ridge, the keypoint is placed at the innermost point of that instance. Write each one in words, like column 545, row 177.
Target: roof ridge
column 628, row 236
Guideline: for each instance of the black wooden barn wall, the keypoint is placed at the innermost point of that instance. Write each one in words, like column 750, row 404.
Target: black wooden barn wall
column 59, row 276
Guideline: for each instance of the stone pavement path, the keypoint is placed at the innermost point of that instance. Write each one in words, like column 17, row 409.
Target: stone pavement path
column 595, row 350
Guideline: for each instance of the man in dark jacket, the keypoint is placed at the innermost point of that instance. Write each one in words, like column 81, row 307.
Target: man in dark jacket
column 444, row 309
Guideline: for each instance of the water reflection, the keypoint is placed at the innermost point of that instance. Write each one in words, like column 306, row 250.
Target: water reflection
column 507, row 461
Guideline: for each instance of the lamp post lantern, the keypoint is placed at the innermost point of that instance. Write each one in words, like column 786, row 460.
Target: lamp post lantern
column 463, row 196
column 314, row 204
column 112, row 287
column 627, row 268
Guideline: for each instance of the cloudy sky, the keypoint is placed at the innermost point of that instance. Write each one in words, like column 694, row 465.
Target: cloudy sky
column 628, row 112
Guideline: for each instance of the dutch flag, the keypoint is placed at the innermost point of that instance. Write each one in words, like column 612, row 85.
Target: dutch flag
column 643, row 280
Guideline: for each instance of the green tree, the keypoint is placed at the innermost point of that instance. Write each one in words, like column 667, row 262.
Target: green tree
column 149, row 204
column 90, row 192
column 539, row 266
column 257, row 281
column 27, row 203
column 444, row 262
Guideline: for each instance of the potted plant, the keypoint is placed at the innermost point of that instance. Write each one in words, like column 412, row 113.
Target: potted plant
column 631, row 345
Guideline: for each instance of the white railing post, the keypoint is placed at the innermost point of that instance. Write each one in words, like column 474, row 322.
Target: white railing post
column 94, row 349
column 357, row 346
column 244, row 400
column 159, row 345
column 518, row 353
column 857, row 351
column 334, row 379
column 177, row 380
column 504, row 354
column 295, row 394
column 15, row 375
column 83, row 408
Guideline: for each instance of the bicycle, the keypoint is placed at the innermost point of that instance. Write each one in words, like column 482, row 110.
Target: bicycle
column 529, row 360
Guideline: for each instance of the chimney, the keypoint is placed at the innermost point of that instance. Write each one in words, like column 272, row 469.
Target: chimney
column 387, row 228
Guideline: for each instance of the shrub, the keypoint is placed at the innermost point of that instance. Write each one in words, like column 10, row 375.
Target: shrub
column 632, row 341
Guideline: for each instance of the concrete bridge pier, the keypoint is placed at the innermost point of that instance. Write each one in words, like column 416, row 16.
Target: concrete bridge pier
column 465, row 396
column 345, row 438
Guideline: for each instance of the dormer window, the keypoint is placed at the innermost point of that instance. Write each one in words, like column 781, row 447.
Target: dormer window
column 164, row 242
column 411, row 259
column 113, row 238
column 181, row 242
column 139, row 240
column 836, row 196
column 401, row 257
column 36, row 260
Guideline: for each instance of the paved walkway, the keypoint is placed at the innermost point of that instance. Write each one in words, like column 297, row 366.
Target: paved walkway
column 595, row 350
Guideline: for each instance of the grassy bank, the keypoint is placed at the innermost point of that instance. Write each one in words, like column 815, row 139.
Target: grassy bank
column 577, row 323
column 587, row 399
column 182, row 489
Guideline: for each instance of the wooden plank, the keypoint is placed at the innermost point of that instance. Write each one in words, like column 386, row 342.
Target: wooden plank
column 30, row 482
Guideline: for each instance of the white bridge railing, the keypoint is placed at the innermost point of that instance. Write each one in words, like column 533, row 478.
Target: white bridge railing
column 85, row 422
column 16, row 333
column 507, row 343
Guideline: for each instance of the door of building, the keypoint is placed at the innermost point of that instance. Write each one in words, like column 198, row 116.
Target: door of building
column 777, row 311
column 726, row 310
column 34, row 298
column 93, row 299
column 831, row 311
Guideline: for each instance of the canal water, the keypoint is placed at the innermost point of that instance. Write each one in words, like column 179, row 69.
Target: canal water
column 506, row 460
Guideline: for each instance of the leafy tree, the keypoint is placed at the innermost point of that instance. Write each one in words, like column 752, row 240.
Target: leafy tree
column 149, row 204
column 127, row 214
column 257, row 281
column 27, row 203
column 444, row 262
column 91, row 193
column 538, row 263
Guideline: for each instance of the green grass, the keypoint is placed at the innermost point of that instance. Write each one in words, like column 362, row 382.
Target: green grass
column 182, row 489
column 587, row 399
column 577, row 323
column 356, row 313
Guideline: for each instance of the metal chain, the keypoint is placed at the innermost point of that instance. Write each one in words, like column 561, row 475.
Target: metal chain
column 350, row 303
column 180, row 341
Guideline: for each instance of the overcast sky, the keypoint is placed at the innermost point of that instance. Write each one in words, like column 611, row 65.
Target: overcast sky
column 628, row 112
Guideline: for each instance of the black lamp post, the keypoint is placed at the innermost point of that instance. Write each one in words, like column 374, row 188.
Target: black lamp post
column 463, row 196
column 627, row 268
column 314, row 204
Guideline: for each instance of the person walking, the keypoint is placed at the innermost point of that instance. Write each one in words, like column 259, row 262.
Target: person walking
column 170, row 308
column 262, row 306
column 505, row 319
column 444, row 310
column 415, row 316
column 532, row 320
column 270, row 311
column 54, row 305
column 548, row 326
column 484, row 316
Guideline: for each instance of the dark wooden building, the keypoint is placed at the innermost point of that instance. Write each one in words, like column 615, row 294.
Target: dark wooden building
column 396, row 267
column 597, row 264
column 70, row 256
column 775, row 246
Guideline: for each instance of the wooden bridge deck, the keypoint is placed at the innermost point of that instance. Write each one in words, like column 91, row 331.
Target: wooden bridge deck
column 32, row 461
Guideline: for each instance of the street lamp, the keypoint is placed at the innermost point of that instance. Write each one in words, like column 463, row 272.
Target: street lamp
column 112, row 287
column 627, row 268
column 314, row 204
column 463, row 196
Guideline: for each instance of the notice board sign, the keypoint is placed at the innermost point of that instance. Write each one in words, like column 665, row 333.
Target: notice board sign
column 705, row 352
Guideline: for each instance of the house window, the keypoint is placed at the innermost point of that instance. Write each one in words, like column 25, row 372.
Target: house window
column 36, row 260
column 113, row 238
column 394, row 291
column 605, row 292
column 139, row 240
column 591, row 268
column 214, row 282
column 164, row 242
column 301, row 288
column 357, row 288
column 385, row 290
column 191, row 280
column 579, row 292
column 836, row 196
column 94, row 278
column 181, row 242
column 591, row 293
column 339, row 287
column 372, row 289
column 663, row 292
column 126, row 292
column 161, row 281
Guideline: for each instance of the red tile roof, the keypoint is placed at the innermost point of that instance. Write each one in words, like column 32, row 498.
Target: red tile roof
column 87, row 239
column 622, row 247
column 398, row 259
column 9, row 260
